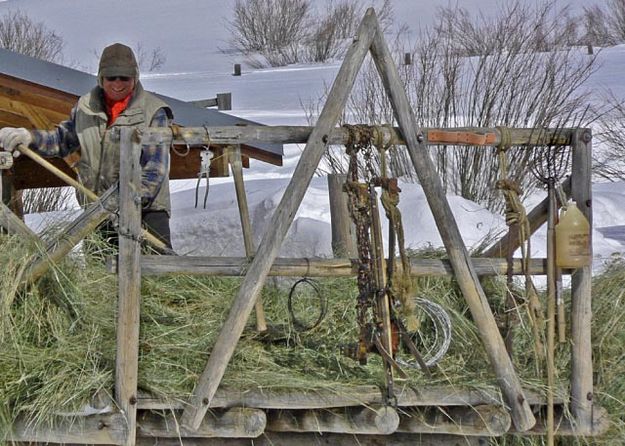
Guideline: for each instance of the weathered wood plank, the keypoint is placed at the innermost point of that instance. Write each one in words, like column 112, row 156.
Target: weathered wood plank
column 343, row 396
column 278, row 227
column 482, row 421
column 224, row 135
column 381, row 420
column 581, row 296
column 316, row 267
column 127, row 353
column 465, row 274
column 94, row 429
column 238, row 422
column 315, row 439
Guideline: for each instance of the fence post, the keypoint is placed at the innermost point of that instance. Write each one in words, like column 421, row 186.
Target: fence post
column 581, row 296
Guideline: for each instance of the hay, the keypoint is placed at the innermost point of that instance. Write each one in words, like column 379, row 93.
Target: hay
column 57, row 338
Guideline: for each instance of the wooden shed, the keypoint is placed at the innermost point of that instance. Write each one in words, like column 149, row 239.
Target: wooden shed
column 39, row 94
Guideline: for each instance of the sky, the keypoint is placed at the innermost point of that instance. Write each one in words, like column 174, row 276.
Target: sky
column 193, row 35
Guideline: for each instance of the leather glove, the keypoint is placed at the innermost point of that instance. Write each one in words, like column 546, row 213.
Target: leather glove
column 11, row 137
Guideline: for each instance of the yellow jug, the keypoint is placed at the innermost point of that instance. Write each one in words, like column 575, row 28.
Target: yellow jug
column 572, row 238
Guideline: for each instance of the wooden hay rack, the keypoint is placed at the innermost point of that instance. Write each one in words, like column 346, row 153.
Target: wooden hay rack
column 433, row 415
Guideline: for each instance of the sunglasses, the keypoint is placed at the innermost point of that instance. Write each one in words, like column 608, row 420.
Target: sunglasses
column 117, row 78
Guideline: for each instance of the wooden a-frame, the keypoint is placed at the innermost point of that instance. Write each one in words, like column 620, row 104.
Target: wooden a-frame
column 369, row 39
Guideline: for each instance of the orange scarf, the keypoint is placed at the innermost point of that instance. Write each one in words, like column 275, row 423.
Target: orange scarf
column 115, row 108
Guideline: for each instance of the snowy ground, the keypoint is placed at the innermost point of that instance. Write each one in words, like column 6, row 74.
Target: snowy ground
column 193, row 35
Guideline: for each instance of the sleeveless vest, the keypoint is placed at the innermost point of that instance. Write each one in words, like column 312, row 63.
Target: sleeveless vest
column 98, row 168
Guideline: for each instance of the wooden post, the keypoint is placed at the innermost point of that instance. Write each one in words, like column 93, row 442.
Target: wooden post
column 278, row 227
column 581, row 296
column 246, row 224
column 127, row 361
column 459, row 257
column 343, row 242
column 224, row 101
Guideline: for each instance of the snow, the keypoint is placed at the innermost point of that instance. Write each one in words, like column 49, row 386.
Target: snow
column 192, row 34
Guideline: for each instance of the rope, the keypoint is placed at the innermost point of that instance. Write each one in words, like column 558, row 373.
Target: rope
column 517, row 215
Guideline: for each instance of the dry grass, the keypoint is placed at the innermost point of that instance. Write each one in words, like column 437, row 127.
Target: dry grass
column 57, row 339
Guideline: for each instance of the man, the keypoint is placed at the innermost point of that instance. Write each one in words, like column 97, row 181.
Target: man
column 93, row 130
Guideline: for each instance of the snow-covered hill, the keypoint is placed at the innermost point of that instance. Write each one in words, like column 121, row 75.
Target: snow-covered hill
column 192, row 34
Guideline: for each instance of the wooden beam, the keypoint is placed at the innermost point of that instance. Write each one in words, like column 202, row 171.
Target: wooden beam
column 225, row 135
column 94, row 429
column 238, row 422
column 482, row 421
column 536, row 217
column 317, row 267
column 458, row 255
column 581, row 291
column 128, row 309
column 278, row 227
column 342, row 396
column 380, row 420
column 316, row 439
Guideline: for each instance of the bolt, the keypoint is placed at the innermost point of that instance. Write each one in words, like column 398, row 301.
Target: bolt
column 137, row 200
column 589, row 396
column 101, row 425
column 587, row 136
column 588, row 202
column 324, row 138
column 132, row 400
column 205, row 401
column 420, row 137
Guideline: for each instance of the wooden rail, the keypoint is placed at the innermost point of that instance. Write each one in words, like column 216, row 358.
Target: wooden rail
column 311, row 267
column 226, row 135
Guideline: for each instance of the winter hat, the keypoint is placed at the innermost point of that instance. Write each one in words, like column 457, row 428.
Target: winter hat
column 117, row 60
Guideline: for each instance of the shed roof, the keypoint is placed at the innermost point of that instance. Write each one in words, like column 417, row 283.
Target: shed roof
column 77, row 83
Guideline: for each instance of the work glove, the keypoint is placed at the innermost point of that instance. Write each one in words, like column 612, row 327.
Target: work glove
column 11, row 137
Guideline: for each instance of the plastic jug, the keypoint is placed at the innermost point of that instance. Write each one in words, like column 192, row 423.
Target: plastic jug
column 572, row 238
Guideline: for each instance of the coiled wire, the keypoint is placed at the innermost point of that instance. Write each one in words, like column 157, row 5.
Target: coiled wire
column 441, row 323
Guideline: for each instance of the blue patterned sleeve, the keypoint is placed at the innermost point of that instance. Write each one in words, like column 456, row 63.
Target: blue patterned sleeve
column 154, row 162
column 59, row 142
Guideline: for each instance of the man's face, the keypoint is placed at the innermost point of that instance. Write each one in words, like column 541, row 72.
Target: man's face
column 118, row 87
